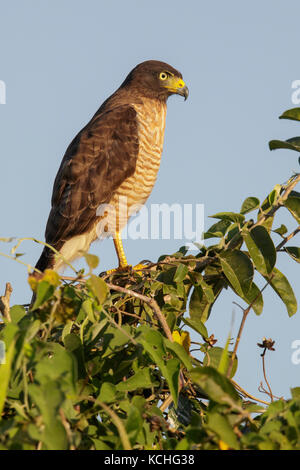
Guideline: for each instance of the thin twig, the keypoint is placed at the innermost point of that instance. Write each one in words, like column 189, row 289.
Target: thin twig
column 4, row 302
column 151, row 302
column 265, row 377
column 166, row 403
column 115, row 419
column 286, row 239
column 246, row 394
column 238, row 338
column 262, row 389
column 67, row 427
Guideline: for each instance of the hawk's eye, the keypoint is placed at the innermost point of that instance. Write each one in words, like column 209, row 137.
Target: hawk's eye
column 163, row 75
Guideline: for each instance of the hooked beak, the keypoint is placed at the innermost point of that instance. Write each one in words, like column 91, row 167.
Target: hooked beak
column 183, row 92
column 177, row 85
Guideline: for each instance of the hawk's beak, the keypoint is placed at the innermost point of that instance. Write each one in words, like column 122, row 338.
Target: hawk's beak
column 177, row 85
column 184, row 91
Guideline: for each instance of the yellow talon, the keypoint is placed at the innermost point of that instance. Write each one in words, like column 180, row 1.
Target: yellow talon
column 137, row 268
column 123, row 265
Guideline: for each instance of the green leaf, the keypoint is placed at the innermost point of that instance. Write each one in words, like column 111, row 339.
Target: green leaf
column 219, row 359
column 196, row 325
column 141, row 379
column 5, row 372
column 293, row 205
column 153, row 343
column 207, row 290
column 55, row 437
column 115, row 338
column 221, row 426
column 250, row 204
column 87, row 306
column 107, row 393
column 44, row 292
column 281, row 230
column 180, row 273
column 265, row 208
column 133, row 424
column 294, row 252
column 274, row 194
column 98, row 287
column 17, row 312
column 295, row 393
column 293, row 114
column 180, row 352
column 290, row 144
column 283, row 289
column 215, row 385
column 218, row 229
column 200, row 307
column 232, row 216
column 254, row 297
column 92, row 260
column 49, row 398
column 58, row 364
column 238, row 269
column 72, row 342
column 261, row 249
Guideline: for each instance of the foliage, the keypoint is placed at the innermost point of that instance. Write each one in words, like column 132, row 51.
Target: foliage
column 105, row 362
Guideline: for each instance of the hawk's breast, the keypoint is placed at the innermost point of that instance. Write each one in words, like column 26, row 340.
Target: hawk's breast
column 136, row 189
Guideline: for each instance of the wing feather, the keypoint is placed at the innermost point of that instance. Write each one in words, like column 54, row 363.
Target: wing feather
column 97, row 161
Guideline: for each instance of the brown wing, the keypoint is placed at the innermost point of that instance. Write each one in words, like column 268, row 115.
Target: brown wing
column 95, row 164
column 97, row 161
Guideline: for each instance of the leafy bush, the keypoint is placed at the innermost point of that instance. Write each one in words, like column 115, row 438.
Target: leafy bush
column 105, row 362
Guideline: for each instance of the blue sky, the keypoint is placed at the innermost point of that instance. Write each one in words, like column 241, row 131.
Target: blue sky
column 61, row 58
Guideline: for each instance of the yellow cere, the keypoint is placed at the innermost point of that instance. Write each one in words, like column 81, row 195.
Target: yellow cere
column 173, row 83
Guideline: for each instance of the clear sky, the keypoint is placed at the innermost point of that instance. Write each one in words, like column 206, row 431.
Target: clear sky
column 60, row 59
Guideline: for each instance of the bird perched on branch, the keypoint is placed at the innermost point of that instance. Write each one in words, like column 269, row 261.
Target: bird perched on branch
column 111, row 165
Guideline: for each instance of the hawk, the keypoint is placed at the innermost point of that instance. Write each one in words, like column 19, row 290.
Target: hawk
column 114, row 158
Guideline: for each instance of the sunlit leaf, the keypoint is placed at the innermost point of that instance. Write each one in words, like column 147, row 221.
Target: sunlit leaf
column 281, row 230
column 291, row 144
column 217, row 387
column 293, row 205
column 92, row 260
column 293, row 114
column 294, row 252
column 238, row 269
column 250, row 204
column 219, row 358
column 221, row 426
column 282, row 287
column 99, row 288
column 180, row 273
column 231, row 216
column 196, row 325
column 45, row 291
column 261, row 249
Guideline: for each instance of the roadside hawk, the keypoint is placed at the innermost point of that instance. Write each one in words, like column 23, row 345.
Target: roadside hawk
column 114, row 158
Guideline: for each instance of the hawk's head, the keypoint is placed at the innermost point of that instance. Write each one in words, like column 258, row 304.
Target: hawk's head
column 156, row 79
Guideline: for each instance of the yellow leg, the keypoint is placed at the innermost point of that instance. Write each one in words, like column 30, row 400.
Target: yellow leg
column 120, row 250
column 123, row 264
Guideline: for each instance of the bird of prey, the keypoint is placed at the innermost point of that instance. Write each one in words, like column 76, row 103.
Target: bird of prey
column 114, row 158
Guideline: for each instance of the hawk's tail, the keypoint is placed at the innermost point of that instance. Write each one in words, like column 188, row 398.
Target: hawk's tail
column 46, row 260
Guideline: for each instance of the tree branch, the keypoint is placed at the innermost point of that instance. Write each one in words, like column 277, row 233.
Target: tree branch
column 4, row 302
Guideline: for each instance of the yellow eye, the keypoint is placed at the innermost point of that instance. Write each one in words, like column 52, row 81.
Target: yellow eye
column 163, row 76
